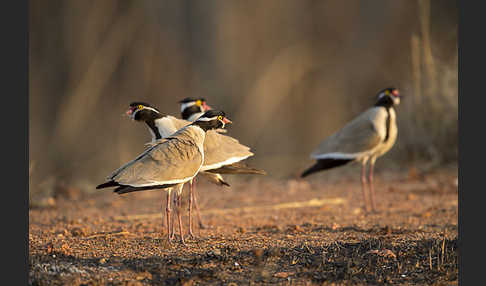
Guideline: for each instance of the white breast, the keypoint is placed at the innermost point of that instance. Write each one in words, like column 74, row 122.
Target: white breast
column 379, row 121
column 166, row 127
column 392, row 135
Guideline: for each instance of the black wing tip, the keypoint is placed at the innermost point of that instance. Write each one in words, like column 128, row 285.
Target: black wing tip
column 223, row 183
column 309, row 171
column 306, row 173
column 123, row 189
column 128, row 189
column 107, row 185
column 324, row 164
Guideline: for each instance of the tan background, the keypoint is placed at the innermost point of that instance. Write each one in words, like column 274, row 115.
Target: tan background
column 288, row 73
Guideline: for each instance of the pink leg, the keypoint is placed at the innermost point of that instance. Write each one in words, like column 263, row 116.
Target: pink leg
column 167, row 214
column 363, row 186
column 179, row 217
column 201, row 224
column 172, row 232
column 164, row 219
column 190, row 207
column 370, row 182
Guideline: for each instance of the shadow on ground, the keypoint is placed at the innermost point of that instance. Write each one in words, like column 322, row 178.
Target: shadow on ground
column 369, row 261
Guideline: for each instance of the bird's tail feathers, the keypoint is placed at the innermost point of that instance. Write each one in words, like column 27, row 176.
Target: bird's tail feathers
column 324, row 164
column 107, row 185
column 238, row 168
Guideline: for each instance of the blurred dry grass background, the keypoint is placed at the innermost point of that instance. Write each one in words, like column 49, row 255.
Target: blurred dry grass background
column 288, row 73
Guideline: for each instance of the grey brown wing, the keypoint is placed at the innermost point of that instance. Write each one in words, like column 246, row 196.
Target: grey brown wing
column 173, row 161
column 221, row 149
column 359, row 135
column 127, row 165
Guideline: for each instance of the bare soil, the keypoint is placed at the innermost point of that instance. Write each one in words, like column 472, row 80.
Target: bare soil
column 260, row 231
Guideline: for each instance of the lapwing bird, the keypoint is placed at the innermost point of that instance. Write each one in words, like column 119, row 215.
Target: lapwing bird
column 220, row 150
column 169, row 163
column 163, row 126
column 191, row 110
column 364, row 139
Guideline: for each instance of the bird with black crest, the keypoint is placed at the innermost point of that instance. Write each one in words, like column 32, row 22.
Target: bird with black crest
column 364, row 139
column 168, row 164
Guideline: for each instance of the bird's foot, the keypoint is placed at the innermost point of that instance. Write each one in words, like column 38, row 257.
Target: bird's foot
column 183, row 242
column 191, row 235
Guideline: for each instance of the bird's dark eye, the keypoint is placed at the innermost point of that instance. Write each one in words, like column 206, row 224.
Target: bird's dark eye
column 140, row 106
column 220, row 117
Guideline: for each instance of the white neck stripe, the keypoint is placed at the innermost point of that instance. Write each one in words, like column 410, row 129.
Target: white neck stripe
column 207, row 119
column 145, row 107
column 150, row 108
column 186, row 105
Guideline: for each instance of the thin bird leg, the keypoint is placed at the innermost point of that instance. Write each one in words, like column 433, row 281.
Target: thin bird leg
column 363, row 186
column 201, row 224
column 162, row 215
column 370, row 182
column 164, row 219
column 190, row 208
column 179, row 212
column 172, row 232
column 167, row 214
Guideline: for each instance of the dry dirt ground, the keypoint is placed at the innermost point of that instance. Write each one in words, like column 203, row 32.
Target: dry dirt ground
column 261, row 231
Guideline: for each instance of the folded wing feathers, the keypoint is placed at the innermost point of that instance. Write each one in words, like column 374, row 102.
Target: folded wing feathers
column 174, row 160
column 355, row 138
column 220, row 149
column 238, row 168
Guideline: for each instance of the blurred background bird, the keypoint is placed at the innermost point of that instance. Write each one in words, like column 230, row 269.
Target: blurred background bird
column 367, row 137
